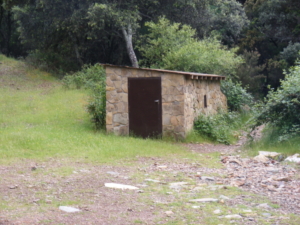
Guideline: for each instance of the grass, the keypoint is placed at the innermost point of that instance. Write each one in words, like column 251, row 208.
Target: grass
column 269, row 142
column 39, row 119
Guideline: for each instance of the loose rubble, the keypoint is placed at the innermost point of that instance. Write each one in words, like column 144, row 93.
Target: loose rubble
column 266, row 177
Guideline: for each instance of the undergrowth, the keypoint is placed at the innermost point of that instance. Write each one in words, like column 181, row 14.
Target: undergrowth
column 222, row 127
column 269, row 142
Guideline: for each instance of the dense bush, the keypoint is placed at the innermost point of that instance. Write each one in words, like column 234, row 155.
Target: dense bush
column 93, row 79
column 282, row 107
column 237, row 96
column 174, row 46
column 220, row 127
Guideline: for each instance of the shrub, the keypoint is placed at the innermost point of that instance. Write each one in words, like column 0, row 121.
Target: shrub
column 51, row 61
column 237, row 96
column 93, row 79
column 220, row 127
column 282, row 106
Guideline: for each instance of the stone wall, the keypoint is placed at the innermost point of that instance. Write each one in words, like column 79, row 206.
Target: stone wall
column 194, row 99
column 182, row 99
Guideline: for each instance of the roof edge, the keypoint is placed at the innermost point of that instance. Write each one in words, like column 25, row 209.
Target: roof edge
column 191, row 75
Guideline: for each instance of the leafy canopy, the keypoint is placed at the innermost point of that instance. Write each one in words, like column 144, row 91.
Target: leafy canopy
column 283, row 106
column 174, row 46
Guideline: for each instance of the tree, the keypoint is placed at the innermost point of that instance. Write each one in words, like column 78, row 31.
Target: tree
column 282, row 107
column 124, row 16
column 274, row 24
column 174, row 46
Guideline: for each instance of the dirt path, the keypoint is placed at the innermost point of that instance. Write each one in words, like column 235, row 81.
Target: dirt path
column 170, row 191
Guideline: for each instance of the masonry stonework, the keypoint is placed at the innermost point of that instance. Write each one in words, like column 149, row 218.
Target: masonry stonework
column 182, row 99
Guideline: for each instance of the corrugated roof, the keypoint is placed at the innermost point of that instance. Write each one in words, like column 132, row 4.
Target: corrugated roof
column 191, row 75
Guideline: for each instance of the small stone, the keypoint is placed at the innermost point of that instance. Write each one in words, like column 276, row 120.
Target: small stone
column 264, row 205
column 207, row 178
column 266, row 214
column 69, row 209
column 205, row 200
column 234, row 216
column 33, row 168
column 151, row 180
column 217, row 211
column 120, row 186
column 196, row 207
column 273, row 170
column 162, row 167
column 271, row 188
column 285, row 179
column 237, row 183
column 13, row 187
column 113, row 173
column 261, row 158
column 47, row 201
column 224, row 197
column 247, row 210
column 169, row 213
column 269, row 154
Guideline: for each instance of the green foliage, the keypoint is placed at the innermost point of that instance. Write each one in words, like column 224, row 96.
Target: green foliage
column 173, row 46
column 51, row 62
column 283, row 106
column 228, row 18
column 221, row 127
column 92, row 78
column 251, row 74
column 270, row 142
column 237, row 96
column 291, row 53
column 163, row 38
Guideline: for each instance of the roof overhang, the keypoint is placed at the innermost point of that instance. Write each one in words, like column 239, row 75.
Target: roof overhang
column 189, row 75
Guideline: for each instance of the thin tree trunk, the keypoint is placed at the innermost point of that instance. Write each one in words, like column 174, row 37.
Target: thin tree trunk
column 76, row 49
column 128, row 39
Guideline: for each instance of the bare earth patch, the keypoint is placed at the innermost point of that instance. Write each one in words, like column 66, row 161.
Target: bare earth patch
column 259, row 193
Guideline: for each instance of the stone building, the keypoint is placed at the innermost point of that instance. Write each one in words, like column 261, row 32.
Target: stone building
column 153, row 102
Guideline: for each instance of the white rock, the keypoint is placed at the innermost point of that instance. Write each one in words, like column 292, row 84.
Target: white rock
column 247, row 210
column 162, row 167
column 113, row 173
column 207, row 178
column 234, row 216
column 264, row 205
column 269, row 154
column 120, row 186
column 169, row 213
column 196, row 207
column 261, row 158
column 224, row 197
column 217, row 211
column 294, row 158
column 205, row 200
column 178, row 184
column 69, row 209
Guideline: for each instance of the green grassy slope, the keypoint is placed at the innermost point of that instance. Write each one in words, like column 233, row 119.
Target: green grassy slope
column 40, row 119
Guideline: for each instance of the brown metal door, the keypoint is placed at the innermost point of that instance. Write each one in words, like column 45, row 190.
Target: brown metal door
column 144, row 105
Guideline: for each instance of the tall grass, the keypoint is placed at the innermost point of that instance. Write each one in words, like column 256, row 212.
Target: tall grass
column 40, row 119
column 269, row 142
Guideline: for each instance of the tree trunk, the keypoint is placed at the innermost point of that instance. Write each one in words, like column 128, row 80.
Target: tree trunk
column 76, row 49
column 128, row 39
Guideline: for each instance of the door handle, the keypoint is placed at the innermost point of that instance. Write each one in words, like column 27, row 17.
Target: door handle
column 156, row 101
